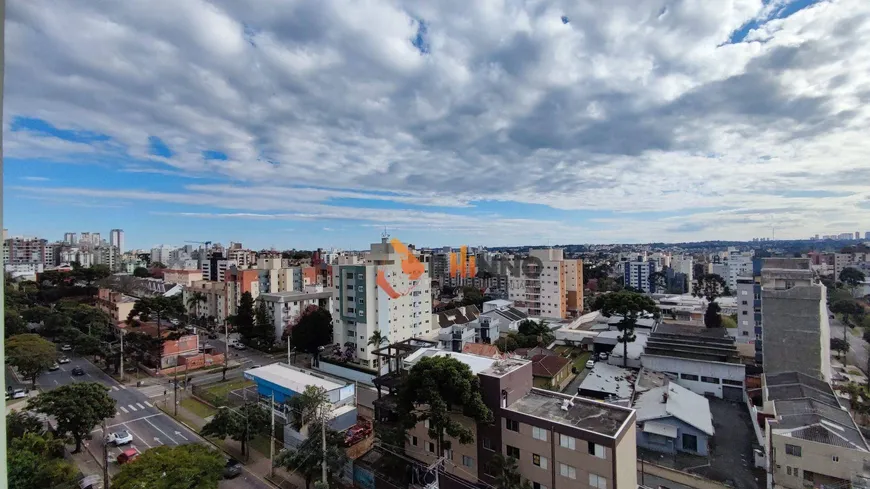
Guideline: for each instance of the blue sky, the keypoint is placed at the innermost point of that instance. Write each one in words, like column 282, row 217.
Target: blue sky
column 299, row 127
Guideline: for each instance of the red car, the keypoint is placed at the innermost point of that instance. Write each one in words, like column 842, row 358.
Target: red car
column 128, row 456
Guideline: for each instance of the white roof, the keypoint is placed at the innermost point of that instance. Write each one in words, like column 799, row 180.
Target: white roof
column 476, row 363
column 609, row 379
column 290, row 378
column 662, row 429
column 635, row 348
column 683, row 404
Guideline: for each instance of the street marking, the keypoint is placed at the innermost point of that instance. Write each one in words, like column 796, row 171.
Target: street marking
column 123, row 386
column 115, row 388
column 117, row 413
column 149, row 404
column 161, row 431
column 124, row 423
column 131, row 407
column 140, row 405
column 179, row 434
column 134, row 434
column 122, row 408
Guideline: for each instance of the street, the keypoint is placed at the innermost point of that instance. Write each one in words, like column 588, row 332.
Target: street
column 137, row 414
column 858, row 353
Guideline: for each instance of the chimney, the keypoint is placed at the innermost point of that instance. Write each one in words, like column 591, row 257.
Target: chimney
column 664, row 398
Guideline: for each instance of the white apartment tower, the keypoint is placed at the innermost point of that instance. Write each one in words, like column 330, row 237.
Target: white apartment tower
column 378, row 295
column 116, row 239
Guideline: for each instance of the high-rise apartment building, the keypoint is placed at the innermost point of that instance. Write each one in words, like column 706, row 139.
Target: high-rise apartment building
column 85, row 238
column 553, row 289
column 380, row 295
column 70, row 238
column 20, row 250
column 96, row 239
column 749, row 317
column 739, row 265
column 116, row 239
column 162, row 254
column 108, row 256
column 215, row 267
column 684, row 265
column 795, row 332
column 637, row 275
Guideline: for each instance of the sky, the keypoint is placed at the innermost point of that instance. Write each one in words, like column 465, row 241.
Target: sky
column 300, row 124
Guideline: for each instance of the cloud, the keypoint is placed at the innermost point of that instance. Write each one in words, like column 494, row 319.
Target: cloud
column 629, row 106
column 35, row 179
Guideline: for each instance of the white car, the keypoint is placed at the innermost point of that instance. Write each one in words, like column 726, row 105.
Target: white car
column 119, row 438
column 590, row 363
column 62, row 360
column 66, row 348
column 603, row 356
column 19, row 393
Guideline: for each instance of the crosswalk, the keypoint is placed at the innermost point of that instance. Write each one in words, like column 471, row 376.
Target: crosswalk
column 117, row 388
column 132, row 408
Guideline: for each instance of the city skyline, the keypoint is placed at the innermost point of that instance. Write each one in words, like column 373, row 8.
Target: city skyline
column 535, row 127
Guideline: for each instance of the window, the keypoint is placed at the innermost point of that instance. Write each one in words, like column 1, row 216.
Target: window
column 709, row 380
column 512, row 451
column 512, row 425
column 743, row 292
column 689, row 377
column 426, row 423
column 690, row 442
column 567, row 471
column 744, row 302
column 597, row 481
column 361, row 313
column 732, row 382
column 360, row 288
column 487, row 443
column 536, row 485
column 568, row 442
column 539, row 461
column 414, row 441
column 808, row 476
column 745, row 333
column 359, row 276
column 792, row 450
column 835, row 458
column 596, row 450
column 467, row 461
column 361, row 300
column 745, row 313
column 430, row 447
column 539, row 433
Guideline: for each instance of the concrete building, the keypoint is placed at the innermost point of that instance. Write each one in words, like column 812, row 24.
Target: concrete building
column 214, row 268
column 181, row 276
column 553, row 290
column 811, row 440
column 108, row 256
column 286, row 307
column 242, row 258
column 795, row 332
column 637, row 274
column 70, row 238
column 739, row 265
column 559, row 441
column 115, row 304
column 161, row 254
column 380, row 295
column 20, row 250
column 216, row 302
column 748, row 301
column 674, row 419
column 116, row 239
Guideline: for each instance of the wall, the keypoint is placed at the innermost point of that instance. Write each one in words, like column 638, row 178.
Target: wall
column 815, row 457
column 346, row 373
column 719, row 370
column 792, row 331
column 642, row 438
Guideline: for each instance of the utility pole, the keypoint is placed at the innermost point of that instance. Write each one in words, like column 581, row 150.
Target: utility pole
column 323, row 439
column 105, row 458
column 288, row 350
column 122, row 357
column 272, row 437
column 226, row 348
column 175, row 387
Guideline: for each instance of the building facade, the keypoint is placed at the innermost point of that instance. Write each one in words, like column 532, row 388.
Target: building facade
column 637, row 275
column 116, row 239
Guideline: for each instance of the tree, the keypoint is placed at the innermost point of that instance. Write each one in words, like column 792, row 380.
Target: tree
column 432, row 389
column 15, row 324
column 471, row 296
column 141, row 272
column 658, row 281
column 628, row 305
column 55, row 323
column 30, row 354
column 839, row 345
column 35, row 461
column 77, row 408
column 533, row 333
column 18, row 423
column 264, row 329
column 191, row 466
column 160, row 308
column 241, row 425
column 507, row 343
column 851, row 310
column 313, row 330
column 308, row 458
column 711, row 286
column 377, row 339
column 307, row 406
column 852, row 277
column 507, row 473
column 194, row 301
column 244, row 318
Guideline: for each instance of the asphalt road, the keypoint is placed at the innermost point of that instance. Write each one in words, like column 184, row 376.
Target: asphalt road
column 137, row 414
column 858, row 352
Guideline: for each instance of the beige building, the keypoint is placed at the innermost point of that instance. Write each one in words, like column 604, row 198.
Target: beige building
column 183, row 277
column 115, row 304
column 552, row 290
column 812, row 441
column 559, row 441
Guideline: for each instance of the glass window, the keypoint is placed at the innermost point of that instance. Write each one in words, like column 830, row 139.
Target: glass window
column 539, row 433
column 467, row 461
column 792, row 450
column 689, row 377
column 539, row 461
column 596, row 450
column 567, row 471
column 512, row 425
column 414, row 441
column 709, row 380
column 597, row 481
column 487, row 443
column 568, row 442
column 512, row 451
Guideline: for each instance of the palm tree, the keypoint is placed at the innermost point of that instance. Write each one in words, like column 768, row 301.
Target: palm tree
column 377, row 339
column 195, row 300
column 507, row 473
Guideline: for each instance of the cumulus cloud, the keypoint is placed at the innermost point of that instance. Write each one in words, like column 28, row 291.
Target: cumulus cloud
column 630, row 106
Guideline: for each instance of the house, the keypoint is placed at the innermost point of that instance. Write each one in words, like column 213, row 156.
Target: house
column 182, row 353
column 498, row 317
column 458, row 327
column 482, row 349
column 115, row 304
column 607, row 381
column 550, row 372
column 531, row 352
column 674, row 419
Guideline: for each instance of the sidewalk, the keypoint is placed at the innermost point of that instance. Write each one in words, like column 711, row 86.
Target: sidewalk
column 85, row 461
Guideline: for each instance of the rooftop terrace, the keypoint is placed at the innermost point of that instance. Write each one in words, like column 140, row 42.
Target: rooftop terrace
column 586, row 414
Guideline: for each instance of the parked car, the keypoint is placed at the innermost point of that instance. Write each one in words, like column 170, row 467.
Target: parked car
column 54, row 367
column 241, row 346
column 128, row 456
column 119, row 438
column 603, row 356
column 590, row 363
column 78, row 372
column 233, row 468
column 62, row 360
column 18, row 393
column 66, row 347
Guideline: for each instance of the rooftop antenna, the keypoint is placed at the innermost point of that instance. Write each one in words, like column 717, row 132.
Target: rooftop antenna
column 385, row 234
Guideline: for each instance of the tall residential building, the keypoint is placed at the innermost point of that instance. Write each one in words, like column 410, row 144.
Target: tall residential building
column 70, row 238
column 85, row 238
column 116, row 239
column 20, row 250
column 215, row 267
column 739, row 265
column 243, row 258
column 109, row 256
column 161, row 254
column 749, row 317
column 381, row 295
column 684, row 265
column 552, row 290
column 795, row 332
column 96, row 240
column 637, row 275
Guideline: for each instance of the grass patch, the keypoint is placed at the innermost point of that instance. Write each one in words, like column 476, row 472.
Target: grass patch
column 223, row 389
column 197, row 408
column 580, row 361
column 261, row 444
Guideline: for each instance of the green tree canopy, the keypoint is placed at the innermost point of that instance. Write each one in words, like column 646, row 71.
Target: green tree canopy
column 30, row 354
column 191, row 466
column 433, row 389
column 158, row 309
column 507, row 473
column 77, row 408
column 141, row 272
column 20, row 422
column 264, row 328
column 851, row 310
column 507, row 343
column 630, row 306
column 472, row 296
column 306, row 407
column 15, row 324
column 241, row 424
column 244, row 318
column 852, row 277
column 839, row 345
column 35, row 461
column 312, row 330
column 308, row 458
column 711, row 286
